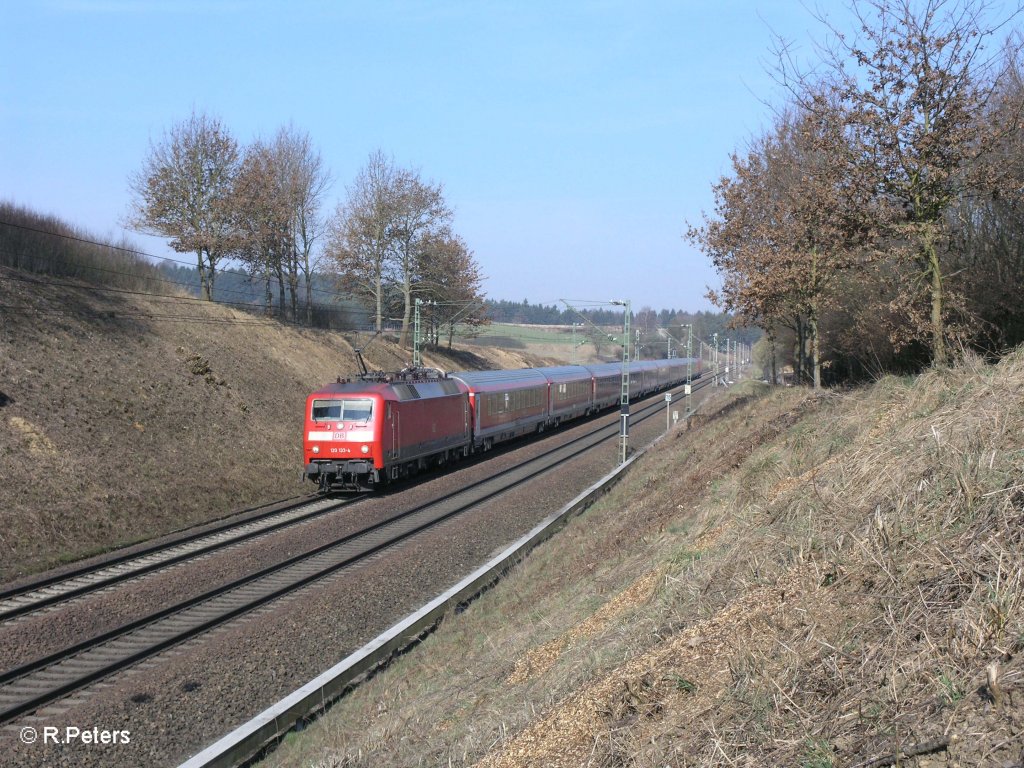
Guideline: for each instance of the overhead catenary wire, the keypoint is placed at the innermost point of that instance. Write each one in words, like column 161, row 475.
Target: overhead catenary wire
column 107, row 289
column 134, row 312
column 112, row 315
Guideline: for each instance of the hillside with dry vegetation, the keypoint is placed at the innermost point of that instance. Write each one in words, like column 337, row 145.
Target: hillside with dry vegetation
column 125, row 415
column 797, row 580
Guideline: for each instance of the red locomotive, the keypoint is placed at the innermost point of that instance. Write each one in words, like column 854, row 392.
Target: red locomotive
column 362, row 433
column 384, row 427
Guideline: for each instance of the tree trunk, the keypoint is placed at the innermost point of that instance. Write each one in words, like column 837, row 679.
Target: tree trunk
column 939, row 356
column 800, row 349
column 279, row 271
column 204, row 280
column 293, row 285
column 407, row 296
column 774, row 361
column 378, row 292
column 812, row 324
column 268, row 289
column 309, row 299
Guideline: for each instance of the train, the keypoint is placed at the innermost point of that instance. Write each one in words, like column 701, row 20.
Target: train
column 383, row 427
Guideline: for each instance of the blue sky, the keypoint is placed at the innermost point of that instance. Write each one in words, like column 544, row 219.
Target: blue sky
column 573, row 139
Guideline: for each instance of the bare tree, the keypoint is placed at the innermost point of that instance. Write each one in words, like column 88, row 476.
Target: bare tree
column 420, row 216
column 380, row 235
column 360, row 233
column 184, row 191
column 989, row 228
column 451, row 278
column 305, row 181
column 646, row 319
column 264, row 216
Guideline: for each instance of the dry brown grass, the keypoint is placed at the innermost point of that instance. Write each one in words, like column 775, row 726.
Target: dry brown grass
column 118, row 425
column 839, row 583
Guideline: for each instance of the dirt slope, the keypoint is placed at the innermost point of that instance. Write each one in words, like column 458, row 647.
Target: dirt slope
column 126, row 416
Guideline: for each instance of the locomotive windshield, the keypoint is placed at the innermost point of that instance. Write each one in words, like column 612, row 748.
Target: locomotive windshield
column 342, row 410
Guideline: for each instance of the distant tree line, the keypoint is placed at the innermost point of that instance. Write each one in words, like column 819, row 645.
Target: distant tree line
column 388, row 244
column 504, row 311
column 877, row 224
column 706, row 325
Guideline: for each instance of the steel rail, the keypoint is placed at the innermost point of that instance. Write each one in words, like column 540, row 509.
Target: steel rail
column 86, row 580
column 118, row 559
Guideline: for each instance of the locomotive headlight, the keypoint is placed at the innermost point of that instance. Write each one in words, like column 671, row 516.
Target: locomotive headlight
column 365, row 449
column 316, row 449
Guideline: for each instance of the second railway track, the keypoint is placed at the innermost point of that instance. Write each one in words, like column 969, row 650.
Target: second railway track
column 47, row 592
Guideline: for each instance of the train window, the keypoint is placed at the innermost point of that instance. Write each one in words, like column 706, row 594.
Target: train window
column 357, row 410
column 342, row 410
column 326, row 410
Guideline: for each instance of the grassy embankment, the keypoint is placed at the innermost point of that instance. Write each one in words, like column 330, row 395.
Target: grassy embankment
column 797, row 581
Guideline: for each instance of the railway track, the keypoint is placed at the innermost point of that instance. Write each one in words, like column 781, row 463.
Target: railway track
column 51, row 591
column 33, row 685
